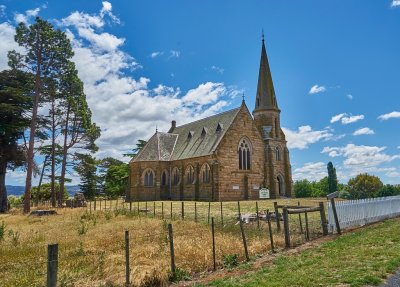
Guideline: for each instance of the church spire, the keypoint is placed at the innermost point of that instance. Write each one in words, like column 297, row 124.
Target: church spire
column 265, row 98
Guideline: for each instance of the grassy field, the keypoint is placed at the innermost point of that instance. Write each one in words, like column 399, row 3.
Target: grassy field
column 358, row 258
column 91, row 243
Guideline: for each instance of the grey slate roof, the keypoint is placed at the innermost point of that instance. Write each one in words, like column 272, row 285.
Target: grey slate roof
column 159, row 147
column 198, row 138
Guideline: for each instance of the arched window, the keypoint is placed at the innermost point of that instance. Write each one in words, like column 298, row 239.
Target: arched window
column 175, row 176
column 244, row 151
column 190, row 175
column 164, row 178
column 278, row 153
column 205, row 173
column 149, row 177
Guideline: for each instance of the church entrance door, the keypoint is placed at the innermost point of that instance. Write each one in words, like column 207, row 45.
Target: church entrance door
column 281, row 186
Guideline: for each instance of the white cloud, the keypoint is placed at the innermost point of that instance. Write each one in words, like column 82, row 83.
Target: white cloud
column 363, row 131
column 351, row 119
column 392, row 115
column 393, row 174
column 7, row 32
column 156, row 54
column 395, row 3
column 218, row 69
column 311, row 171
column 174, row 54
column 317, row 89
column 126, row 108
column 346, row 118
column 337, row 118
column 305, row 136
column 361, row 158
column 25, row 18
column 106, row 10
column 349, row 96
column 2, row 10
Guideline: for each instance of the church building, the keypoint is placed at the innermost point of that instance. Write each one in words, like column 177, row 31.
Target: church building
column 228, row 156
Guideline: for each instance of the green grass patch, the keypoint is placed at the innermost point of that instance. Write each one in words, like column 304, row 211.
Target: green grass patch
column 363, row 257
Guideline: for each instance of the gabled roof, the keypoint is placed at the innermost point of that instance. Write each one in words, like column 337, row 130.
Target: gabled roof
column 194, row 139
column 159, row 148
column 198, row 144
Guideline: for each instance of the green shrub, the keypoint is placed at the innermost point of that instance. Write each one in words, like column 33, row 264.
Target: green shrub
column 2, row 230
column 180, row 275
column 229, row 261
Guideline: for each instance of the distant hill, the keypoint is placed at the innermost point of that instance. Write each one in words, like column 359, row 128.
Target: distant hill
column 19, row 190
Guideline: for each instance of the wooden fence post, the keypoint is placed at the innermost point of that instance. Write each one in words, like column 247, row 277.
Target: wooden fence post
column 183, row 210
column 209, row 212
column 95, row 204
column 301, row 223
column 171, row 210
column 52, row 265
column 307, row 234
column 278, row 224
column 244, row 240
column 271, row 238
column 146, row 208
column 130, row 206
column 239, row 214
column 127, row 269
column 222, row 215
column 323, row 219
column 154, row 209
column 213, row 242
column 335, row 216
column 138, row 207
column 195, row 211
column 171, row 249
column 258, row 216
column 162, row 209
column 286, row 227
column 105, row 203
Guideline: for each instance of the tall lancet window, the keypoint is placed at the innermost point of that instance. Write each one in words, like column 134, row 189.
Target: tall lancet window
column 244, row 151
column 148, row 178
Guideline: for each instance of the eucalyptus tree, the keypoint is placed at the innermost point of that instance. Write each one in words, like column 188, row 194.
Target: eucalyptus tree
column 47, row 56
column 15, row 105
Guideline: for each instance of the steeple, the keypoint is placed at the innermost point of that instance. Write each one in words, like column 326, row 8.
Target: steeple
column 265, row 97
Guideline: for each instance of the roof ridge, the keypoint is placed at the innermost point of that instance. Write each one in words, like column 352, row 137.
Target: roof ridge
column 231, row 110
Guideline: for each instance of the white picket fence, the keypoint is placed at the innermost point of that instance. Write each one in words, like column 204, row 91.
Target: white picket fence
column 359, row 212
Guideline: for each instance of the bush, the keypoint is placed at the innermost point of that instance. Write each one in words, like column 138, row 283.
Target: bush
column 302, row 188
column 364, row 186
column 15, row 201
column 2, row 230
column 389, row 190
column 180, row 274
column 229, row 261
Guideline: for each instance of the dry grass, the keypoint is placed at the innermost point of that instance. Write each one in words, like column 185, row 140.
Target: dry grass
column 91, row 244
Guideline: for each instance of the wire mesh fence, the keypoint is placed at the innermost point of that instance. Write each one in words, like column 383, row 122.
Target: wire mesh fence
column 92, row 249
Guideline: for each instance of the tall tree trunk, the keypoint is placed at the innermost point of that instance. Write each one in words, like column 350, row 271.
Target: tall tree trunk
column 53, row 152
column 31, row 146
column 64, row 159
column 3, row 190
column 42, row 173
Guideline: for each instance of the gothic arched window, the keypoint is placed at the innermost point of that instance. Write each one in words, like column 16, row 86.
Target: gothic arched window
column 149, row 177
column 205, row 173
column 278, row 154
column 164, row 178
column 244, row 151
column 190, row 175
column 175, row 178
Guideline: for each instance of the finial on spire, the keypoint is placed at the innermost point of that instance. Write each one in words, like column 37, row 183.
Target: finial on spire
column 156, row 129
column 243, row 98
column 262, row 35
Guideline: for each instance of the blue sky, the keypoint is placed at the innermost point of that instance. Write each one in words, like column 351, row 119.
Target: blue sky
column 335, row 66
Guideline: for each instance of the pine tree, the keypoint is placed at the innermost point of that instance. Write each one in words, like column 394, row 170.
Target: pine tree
column 48, row 54
column 332, row 178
